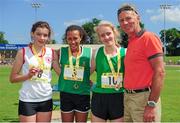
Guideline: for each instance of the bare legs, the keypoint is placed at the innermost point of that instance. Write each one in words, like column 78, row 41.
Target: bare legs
column 39, row 117
column 97, row 119
column 79, row 116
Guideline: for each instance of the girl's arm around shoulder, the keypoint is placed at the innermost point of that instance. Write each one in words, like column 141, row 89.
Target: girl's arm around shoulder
column 55, row 62
column 16, row 75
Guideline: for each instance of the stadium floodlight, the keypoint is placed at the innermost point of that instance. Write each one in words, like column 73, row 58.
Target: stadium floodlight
column 36, row 6
column 165, row 7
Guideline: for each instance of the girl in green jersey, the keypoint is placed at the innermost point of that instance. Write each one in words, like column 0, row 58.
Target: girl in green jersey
column 107, row 99
column 74, row 83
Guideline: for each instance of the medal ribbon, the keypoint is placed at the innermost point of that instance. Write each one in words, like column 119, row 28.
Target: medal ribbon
column 40, row 60
column 76, row 86
column 71, row 60
column 111, row 65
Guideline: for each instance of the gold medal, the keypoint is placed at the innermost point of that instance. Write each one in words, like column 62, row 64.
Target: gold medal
column 74, row 67
column 74, row 76
column 40, row 60
column 76, row 86
column 116, row 88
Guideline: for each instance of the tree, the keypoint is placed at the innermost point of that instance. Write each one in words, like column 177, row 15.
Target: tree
column 52, row 42
column 64, row 40
column 89, row 28
column 172, row 40
column 124, row 36
column 2, row 40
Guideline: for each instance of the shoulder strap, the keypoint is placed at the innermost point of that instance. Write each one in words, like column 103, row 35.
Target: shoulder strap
column 97, row 51
column 122, row 51
column 23, row 51
column 62, row 51
column 53, row 51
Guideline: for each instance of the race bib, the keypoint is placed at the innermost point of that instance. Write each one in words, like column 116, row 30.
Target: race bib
column 40, row 76
column 42, row 73
column 73, row 73
column 109, row 80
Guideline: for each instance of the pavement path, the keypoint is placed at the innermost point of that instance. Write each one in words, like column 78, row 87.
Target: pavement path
column 56, row 117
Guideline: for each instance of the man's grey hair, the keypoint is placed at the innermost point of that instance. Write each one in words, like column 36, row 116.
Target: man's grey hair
column 127, row 7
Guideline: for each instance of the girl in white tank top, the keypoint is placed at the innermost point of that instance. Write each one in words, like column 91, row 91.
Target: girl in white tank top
column 32, row 67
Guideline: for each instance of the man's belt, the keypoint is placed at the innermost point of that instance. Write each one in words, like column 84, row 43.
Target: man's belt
column 137, row 91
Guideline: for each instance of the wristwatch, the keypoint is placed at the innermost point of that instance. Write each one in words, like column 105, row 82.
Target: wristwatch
column 151, row 103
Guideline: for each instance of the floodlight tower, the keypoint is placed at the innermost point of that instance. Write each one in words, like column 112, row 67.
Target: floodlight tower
column 36, row 6
column 165, row 7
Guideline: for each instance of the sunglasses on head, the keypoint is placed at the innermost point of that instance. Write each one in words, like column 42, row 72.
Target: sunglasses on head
column 127, row 8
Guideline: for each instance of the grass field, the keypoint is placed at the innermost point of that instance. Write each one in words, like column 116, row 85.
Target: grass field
column 172, row 59
column 170, row 95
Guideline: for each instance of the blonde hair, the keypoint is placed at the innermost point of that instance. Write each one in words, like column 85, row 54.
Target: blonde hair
column 114, row 29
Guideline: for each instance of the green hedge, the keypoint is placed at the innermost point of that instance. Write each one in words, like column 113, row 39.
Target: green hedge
column 172, row 60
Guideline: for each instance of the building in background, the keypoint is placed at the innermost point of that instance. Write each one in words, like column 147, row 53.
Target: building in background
column 8, row 52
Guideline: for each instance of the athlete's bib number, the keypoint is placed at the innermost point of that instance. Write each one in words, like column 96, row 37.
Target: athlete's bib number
column 73, row 73
column 109, row 80
column 41, row 76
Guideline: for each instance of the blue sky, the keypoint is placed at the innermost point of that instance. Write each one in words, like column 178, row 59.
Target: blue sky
column 17, row 16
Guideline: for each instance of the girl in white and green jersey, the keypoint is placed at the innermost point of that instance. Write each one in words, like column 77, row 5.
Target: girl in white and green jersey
column 107, row 99
column 74, row 83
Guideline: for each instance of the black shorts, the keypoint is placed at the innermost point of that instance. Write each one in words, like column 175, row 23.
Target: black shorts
column 31, row 108
column 108, row 106
column 74, row 102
